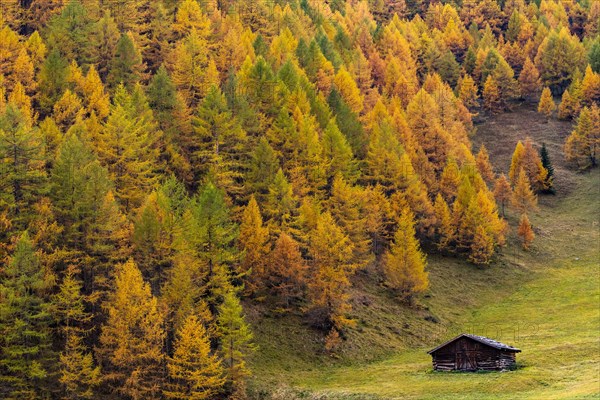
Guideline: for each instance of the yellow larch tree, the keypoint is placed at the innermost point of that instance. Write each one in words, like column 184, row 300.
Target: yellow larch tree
column 2, row 95
column 283, row 47
column 195, row 373
column 491, row 94
column 349, row 90
column 182, row 294
column 524, row 198
column 475, row 210
column 450, row 180
column 404, row 264
column 37, row 49
column 582, row 145
column 437, row 137
column 212, row 77
column 482, row 247
column 532, row 163
column 189, row 16
column 132, row 338
column 67, row 110
column 24, row 71
column 546, row 105
column 494, row 225
column 188, row 64
column 399, row 81
column 516, row 162
column 445, row 229
column 590, row 87
column 412, row 191
column 10, row 48
column 379, row 218
column 345, row 206
column 125, row 147
column 467, row 91
column 23, row 101
column 95, row 98
column 235, row 44
column 568, row 107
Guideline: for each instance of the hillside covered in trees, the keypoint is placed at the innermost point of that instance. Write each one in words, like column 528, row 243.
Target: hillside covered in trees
column 166, row 166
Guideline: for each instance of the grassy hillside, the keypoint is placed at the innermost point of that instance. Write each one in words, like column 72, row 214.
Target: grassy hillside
column 544, row 301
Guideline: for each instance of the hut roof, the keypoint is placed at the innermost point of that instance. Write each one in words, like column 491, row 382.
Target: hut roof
column 481, row 339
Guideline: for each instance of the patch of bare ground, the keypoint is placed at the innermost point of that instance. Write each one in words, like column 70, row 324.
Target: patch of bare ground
column 563, row 224
column 501, row 132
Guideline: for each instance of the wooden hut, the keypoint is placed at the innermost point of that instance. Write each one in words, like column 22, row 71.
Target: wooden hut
column 471, row 353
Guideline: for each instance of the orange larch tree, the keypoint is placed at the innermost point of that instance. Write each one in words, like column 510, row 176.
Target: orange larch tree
column 503, row 192
column 525, row 231
column 331, row 268
column 253, row 243
column 286, row 270
column 529, row 80
column 524, row 198
column 483, row 164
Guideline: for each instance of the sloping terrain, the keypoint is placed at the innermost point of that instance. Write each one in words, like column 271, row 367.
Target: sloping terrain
column 544, row 301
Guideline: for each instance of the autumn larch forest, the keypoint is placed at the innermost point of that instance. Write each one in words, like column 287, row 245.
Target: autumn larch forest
column 170, row 167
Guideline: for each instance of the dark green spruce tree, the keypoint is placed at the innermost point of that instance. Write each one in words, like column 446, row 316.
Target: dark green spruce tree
column 545, row 157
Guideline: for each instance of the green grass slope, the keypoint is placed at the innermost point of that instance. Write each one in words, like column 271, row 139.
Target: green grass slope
column 545, row 301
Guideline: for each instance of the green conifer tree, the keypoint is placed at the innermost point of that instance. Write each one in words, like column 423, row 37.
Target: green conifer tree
column 125, row 148
column 211, row 235
column 235, row 341
column 78, row 375
column 21, row 162
column 262, row 169
column 162, row 94
column 78, row 186
column 281, row 203
column 105, row 37
column 338, row 153
column 348, row 123
column 126, row 67
column 70, row 31
column 220, row 143
column 547, row 164
column 52, row 80
column 26, row 359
